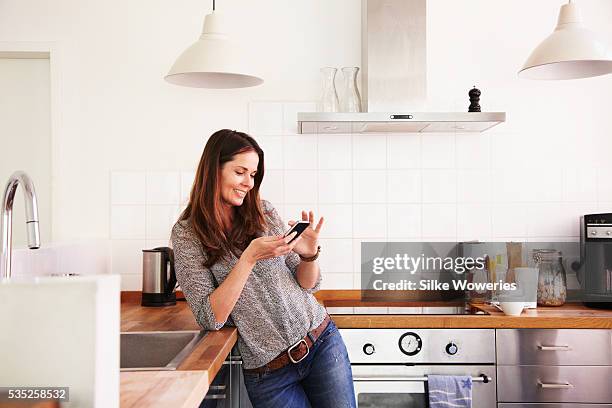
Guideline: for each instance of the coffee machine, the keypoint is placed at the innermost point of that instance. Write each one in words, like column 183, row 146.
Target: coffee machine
column 158, row 277
column 595, row 271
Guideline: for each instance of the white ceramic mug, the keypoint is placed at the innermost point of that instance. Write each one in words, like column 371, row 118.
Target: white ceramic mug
column 512, row 308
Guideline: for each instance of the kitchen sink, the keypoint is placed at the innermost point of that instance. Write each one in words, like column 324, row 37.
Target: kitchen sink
column 157, row 350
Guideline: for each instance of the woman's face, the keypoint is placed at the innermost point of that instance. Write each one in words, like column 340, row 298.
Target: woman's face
column 238, row 177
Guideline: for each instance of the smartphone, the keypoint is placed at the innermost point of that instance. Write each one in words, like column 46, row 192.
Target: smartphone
column 298, row 227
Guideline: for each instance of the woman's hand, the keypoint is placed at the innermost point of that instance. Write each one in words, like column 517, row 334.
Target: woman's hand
column 307, row 246
column 269, row 247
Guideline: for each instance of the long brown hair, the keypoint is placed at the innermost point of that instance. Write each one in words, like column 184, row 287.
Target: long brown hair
column 204, row 211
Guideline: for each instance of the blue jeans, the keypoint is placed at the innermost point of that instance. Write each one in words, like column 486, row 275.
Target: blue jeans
column 322, row 380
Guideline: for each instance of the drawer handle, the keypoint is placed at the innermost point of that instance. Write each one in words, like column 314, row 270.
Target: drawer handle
column 554, row 348
column 330, row 127
column 482, row 378
column 562, row 386
column 215, row 397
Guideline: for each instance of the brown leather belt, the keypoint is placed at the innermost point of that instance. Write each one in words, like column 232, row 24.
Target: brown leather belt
column 295, row 353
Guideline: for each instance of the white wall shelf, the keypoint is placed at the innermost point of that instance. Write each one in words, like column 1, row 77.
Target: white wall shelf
column 418, row 122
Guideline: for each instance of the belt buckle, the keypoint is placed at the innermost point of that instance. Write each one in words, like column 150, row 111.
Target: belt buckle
column 294, row 346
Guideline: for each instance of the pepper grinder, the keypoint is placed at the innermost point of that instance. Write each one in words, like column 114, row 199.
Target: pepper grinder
column 474, row 100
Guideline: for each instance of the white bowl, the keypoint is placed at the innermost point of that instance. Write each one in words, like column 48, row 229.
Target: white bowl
column 512, row 308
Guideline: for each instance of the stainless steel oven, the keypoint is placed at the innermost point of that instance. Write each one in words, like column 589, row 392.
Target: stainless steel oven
column 390, row 366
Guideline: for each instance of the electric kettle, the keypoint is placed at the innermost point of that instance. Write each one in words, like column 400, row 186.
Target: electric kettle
column 158, row 277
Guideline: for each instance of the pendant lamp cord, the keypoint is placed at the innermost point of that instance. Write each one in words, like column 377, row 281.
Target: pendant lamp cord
column 214, row 5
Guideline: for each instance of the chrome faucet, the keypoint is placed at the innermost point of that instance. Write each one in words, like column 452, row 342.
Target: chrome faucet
column 31, row 209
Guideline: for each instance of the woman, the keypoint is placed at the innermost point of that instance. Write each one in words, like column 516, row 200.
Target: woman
column 233, row 262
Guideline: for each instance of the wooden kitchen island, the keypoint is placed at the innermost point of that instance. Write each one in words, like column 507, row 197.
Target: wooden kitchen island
column 186, row 386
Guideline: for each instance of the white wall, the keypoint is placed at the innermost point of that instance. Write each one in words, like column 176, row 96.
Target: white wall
column 25, row 124
column 528, row 179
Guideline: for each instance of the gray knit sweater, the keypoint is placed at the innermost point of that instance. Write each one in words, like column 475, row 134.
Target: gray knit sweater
column 273, row 311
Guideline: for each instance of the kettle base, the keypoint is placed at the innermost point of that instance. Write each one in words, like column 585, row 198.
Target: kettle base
column 158, row 299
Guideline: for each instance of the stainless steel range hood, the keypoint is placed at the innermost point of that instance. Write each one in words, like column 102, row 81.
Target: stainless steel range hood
column 394, row 79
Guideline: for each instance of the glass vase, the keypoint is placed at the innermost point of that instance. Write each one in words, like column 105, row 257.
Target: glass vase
column 329, row 97
column 351, row 101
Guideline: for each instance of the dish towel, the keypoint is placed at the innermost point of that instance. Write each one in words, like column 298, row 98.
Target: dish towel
column 450, row 391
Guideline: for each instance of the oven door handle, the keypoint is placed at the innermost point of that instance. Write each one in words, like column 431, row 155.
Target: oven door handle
column 481, row 378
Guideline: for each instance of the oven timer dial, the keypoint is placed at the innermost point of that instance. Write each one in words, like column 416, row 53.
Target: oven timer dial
column 410, row 343
column 451, row 349
column 368, row 349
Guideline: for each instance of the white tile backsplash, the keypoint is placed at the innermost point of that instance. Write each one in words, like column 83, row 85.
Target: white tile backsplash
column 335, row 151
column 404, row 186
column 300, row 186
column 159, row 221
column 604, row 184
column 473, row 222
column 404, row 220
column 127, row 222
column 404, row 151
column 336, row 255
column 370, row 186
column 439, row 221
column 126, row 256
column 370, row 151
column 336, row 280
column 335, row 186
column 128, row 188
column 272, row 147
column 338, row 220
column 131, row 282
column 509, row 220
column 370, row 220
column 438, row 151
column 187, row 180
column 579, row 184
column 300, row 152
column 439, row 186
column 377, row 187
column 163, row 187
column 290, row 111
column 265, row 118
column 473, row 186
column 273, row 186
column 472, row 151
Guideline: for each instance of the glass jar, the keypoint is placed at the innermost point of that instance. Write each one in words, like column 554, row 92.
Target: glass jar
column 552, row 284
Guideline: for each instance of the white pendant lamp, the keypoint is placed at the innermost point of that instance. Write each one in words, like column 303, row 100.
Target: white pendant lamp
column 571, row 51
column 214, row 61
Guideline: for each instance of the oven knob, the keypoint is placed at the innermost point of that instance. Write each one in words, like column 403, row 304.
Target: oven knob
column 593, row 232
column 368, row 349
column 451, row 349
column 609, row 232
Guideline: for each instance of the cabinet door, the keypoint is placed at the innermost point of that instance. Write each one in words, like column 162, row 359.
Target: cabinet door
column 561, row 405
column 227, row 389
column 554, row 347
column 579, row 384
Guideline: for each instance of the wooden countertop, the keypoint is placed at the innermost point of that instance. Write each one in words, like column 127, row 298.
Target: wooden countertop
column 568, row 316
column 186, row 386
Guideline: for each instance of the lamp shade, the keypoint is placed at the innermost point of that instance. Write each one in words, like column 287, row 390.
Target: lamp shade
column 570, row 52
column 214, row 61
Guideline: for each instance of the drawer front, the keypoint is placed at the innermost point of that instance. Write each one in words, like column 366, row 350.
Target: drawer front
column 560, row 405
column 554, row 347
column 554, row 384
